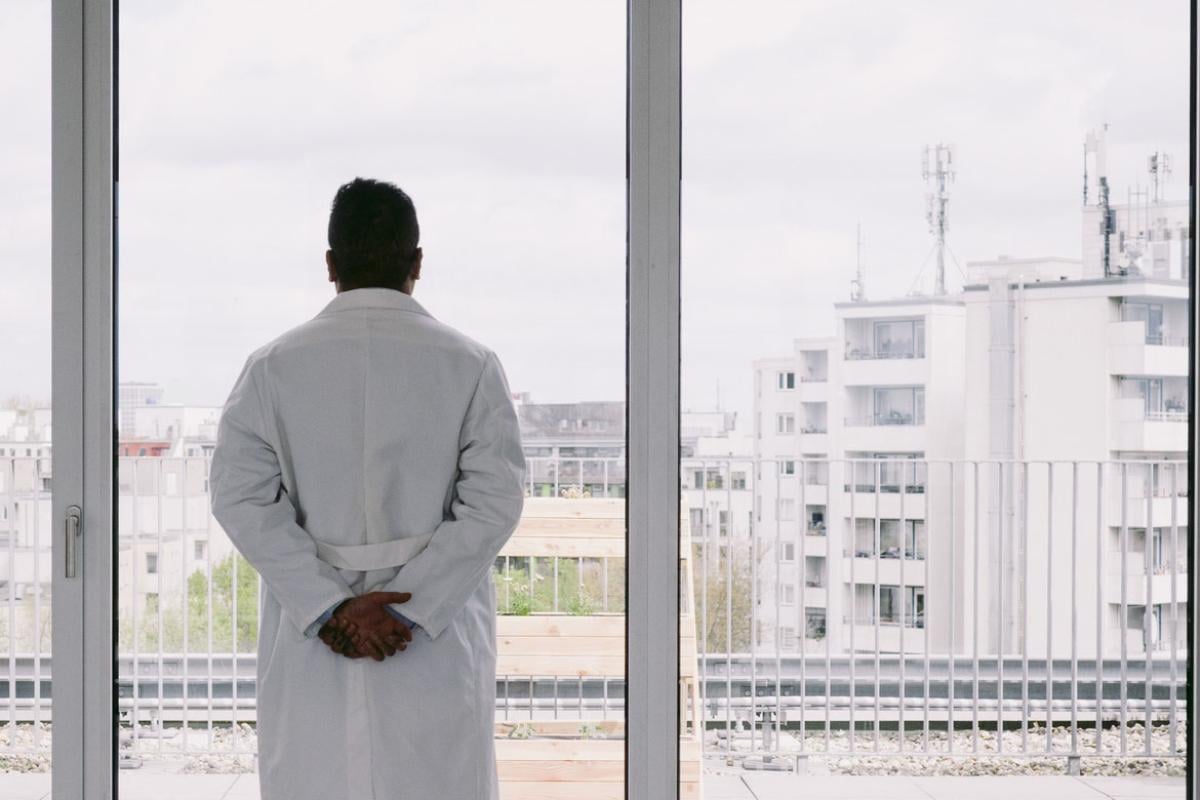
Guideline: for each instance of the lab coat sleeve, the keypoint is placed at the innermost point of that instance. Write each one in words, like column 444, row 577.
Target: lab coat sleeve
column 486, row 505
column 253, row 506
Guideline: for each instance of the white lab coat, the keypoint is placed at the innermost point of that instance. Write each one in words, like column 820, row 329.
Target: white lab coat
column 370, row 423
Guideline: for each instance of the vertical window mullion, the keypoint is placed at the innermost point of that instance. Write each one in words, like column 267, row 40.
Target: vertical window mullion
column 653, row 505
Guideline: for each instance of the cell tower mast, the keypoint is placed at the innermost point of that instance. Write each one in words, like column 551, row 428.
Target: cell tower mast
column 937, row 168
column 1159, row 167
column 858, row 286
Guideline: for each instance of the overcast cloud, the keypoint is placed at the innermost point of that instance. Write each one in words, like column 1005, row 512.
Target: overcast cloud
column 505, row 121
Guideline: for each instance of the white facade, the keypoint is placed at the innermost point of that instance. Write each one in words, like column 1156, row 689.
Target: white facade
column 1035, row 360
column 131, row 396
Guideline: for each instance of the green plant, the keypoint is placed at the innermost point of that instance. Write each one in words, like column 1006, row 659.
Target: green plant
column 580, row 606
column 522, row 730
column 590, row 730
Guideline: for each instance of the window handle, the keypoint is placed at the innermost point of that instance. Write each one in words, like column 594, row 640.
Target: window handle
column 73, row 530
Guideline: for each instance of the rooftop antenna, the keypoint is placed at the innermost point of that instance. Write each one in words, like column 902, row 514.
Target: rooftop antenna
column 858, row 286
column 1094, row 143
column 937, row 168
column 1159, row 167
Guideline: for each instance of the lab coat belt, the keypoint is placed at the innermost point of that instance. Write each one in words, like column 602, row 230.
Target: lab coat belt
column 377, row 555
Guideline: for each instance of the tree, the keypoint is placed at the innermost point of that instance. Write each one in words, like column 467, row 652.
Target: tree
column 727, row 585
column 172, row 619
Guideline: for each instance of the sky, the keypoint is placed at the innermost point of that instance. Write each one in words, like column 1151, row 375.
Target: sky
column 505, row 122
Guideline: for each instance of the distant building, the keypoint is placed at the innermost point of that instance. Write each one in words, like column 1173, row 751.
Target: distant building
column 573, row 447
column 132, row 396
column 1034, row 360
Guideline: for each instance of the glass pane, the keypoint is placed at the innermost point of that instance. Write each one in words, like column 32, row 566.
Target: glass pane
column 506, row 125
column 965, row 226
column 25, row 430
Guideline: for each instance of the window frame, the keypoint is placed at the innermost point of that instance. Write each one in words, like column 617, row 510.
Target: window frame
column 84, row 181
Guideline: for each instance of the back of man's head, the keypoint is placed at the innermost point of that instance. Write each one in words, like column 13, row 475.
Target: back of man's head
column 373, row 234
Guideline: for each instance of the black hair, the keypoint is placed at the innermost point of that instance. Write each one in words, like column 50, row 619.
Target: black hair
column 373, row 233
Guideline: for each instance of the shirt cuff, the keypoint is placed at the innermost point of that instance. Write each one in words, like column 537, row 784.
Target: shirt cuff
column 411, row 625
column 314, row 628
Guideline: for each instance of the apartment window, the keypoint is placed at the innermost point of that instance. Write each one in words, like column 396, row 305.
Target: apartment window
column 788, row 552
column 900, row 406
column 1160, row 398
column 738, row 481
column 723, row 522
column 787, row 594
column 152, row 563
column 787, row 637
column 1149, row 313
column 787, row 467
column 786, row 380
column 787, row 509
column 915, row 609
column 896, row 541
column 814, row 623
column 785, row 423
column 198, row 550
column 889, row 605
column 900, row 339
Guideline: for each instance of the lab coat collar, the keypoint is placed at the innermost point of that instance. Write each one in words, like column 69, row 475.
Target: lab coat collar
column 374, row 297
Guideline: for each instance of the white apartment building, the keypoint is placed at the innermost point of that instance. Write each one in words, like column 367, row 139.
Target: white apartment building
column 573, row 447
column 1035, row 360
column 717, row 462
column 132, row 395
column 25, row 479
column 175, row 423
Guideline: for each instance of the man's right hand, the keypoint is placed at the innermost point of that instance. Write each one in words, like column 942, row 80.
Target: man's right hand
column 363, row 626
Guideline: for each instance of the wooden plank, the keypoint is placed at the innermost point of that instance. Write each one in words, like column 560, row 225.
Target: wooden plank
column 571, row 526
column 577, row 771
column 561, row 645
column 583, row 508
column 533, row 790
column 565, row 665
column 537, row 790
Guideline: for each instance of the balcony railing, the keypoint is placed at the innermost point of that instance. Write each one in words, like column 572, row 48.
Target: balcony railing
column 858, row 354
column 880, row 420
column 1051, row 649
column 1050, row 652
column 1167, row 415
column 1159, row 340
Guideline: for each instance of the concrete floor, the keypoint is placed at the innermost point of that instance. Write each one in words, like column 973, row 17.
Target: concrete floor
column 782, row 786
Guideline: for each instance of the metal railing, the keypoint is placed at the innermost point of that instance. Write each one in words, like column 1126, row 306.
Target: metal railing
column 881, row 420
column 1019, row 639
column 856, row 354
column 1036, row 613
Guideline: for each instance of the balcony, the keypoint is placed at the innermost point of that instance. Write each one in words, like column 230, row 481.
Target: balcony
column 1132, row 352
column 865, row 367
column 1136, row 429
column 872, row 432
column 813, row 390
column 1168, row 581
column 890, row 570
column 814, row 439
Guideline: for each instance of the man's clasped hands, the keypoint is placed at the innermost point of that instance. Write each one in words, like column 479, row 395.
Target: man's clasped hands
column 363, row 627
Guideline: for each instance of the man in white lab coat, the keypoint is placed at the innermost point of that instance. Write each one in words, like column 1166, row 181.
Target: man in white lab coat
column 369, row 466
